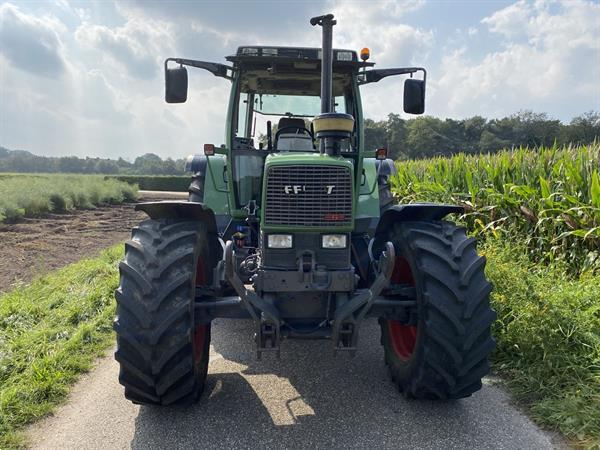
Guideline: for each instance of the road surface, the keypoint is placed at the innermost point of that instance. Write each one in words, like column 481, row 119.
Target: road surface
column 308, row 399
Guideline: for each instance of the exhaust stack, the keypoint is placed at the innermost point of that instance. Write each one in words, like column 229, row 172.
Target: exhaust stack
column 330, row 127
column 327, row 23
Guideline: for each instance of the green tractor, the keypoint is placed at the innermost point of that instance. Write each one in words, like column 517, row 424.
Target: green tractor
column 292, row 224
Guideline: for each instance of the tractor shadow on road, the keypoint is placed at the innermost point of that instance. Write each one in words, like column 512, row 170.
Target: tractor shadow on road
column 311, row 398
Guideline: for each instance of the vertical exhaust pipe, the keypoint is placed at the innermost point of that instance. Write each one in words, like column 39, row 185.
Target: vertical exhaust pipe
column 330, row 127
column 327, row 23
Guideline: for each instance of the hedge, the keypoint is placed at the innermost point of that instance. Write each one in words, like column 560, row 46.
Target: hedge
column 172, row 183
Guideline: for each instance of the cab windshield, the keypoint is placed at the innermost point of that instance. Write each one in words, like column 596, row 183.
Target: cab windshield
column 273, row 112
column 283, row 105
column 294, row 112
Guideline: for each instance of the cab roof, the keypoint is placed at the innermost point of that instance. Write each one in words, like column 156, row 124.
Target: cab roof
column 343, row 60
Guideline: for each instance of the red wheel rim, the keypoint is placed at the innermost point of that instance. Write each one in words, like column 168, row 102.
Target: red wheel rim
column 403, row 337
column 201, row 330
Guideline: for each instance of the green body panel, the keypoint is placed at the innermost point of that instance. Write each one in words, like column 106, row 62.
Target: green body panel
column 235, row 213
column 305, row 159
column 215, row 187
column 359, row 124
column 368, row 195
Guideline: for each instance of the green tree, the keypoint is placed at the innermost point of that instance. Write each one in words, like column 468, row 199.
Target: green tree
column 582, row 129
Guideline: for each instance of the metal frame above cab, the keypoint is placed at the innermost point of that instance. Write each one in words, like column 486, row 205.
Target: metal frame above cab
column 218, row 70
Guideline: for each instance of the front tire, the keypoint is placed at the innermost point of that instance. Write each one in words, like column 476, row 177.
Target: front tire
column 443, row 354
column 163, row 354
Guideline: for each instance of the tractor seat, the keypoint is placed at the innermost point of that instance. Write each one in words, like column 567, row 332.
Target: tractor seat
column 294, row 137
column 285, row 122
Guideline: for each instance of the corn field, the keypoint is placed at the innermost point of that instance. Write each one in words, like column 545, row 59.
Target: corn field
column 547, row 198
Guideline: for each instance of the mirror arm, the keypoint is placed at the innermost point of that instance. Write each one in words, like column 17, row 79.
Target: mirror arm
column 373, row 76
column 218, row 70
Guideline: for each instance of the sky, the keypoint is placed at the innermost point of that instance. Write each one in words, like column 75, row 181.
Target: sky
column 85, row 78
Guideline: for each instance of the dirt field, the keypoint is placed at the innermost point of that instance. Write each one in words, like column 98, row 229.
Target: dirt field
column 36, row 246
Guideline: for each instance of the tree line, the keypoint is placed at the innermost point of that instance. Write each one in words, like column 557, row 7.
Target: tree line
column 147, row 164
column 415, row 138
column 427, row 136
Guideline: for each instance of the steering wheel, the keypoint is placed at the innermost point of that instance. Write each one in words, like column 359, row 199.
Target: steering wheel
column 304, row 129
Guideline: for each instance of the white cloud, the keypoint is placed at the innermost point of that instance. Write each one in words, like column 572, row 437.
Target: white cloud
column 31, row 43
column 139, row 46
column 549, row 59
column 575, row 25
column 510, row 21
column 379, row 26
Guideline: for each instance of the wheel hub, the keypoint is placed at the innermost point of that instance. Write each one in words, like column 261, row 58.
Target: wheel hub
column 403, row 337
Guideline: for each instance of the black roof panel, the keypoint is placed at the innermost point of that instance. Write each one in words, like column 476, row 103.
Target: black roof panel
column 255, row 53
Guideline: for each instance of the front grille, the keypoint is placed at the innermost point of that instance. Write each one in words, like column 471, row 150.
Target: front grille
column 309, row 196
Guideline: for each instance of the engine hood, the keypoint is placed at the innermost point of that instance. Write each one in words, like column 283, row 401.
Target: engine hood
column 309, row 158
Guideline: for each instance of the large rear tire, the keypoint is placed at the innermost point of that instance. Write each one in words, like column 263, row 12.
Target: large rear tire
column 163, row 355
column 444, row 353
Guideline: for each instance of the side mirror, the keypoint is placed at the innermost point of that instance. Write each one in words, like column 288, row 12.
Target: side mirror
column 176, row 85
column 414, row 96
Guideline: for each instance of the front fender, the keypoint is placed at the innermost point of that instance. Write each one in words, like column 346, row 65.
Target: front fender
column 170, row 209
column 414, row 212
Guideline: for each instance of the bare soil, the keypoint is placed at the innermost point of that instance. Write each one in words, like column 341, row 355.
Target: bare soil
column 33, row 247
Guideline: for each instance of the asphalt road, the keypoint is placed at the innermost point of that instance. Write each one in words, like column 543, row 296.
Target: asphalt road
column 308, row 399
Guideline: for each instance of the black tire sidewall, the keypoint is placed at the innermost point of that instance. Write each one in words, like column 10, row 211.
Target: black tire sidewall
column 201, row 368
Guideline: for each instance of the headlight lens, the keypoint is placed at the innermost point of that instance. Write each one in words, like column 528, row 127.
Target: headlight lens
column 334, row 241
column 279, row 241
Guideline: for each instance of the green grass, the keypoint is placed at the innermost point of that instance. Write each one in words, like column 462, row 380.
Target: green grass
column 50, row 332
column 548, row 340
column 32, row 195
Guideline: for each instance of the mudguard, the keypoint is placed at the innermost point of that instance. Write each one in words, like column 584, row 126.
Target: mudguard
column 413, row 212
column 169, row 209
column 196, row 163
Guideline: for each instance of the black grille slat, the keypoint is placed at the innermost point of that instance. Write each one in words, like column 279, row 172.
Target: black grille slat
column 313, row 206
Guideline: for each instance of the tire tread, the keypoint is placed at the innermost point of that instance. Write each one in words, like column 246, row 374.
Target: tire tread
column 456, row 317
column 155, row 313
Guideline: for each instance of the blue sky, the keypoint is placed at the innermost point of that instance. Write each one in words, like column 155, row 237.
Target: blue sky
column 85, row 77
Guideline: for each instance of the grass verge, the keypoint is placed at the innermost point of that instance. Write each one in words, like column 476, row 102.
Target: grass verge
column 50, row 332
column 548, row 341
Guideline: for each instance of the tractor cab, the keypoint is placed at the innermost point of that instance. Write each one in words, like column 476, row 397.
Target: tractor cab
column 278, row 93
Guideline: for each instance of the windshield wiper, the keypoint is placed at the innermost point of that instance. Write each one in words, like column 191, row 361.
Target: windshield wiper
column 287, row 114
